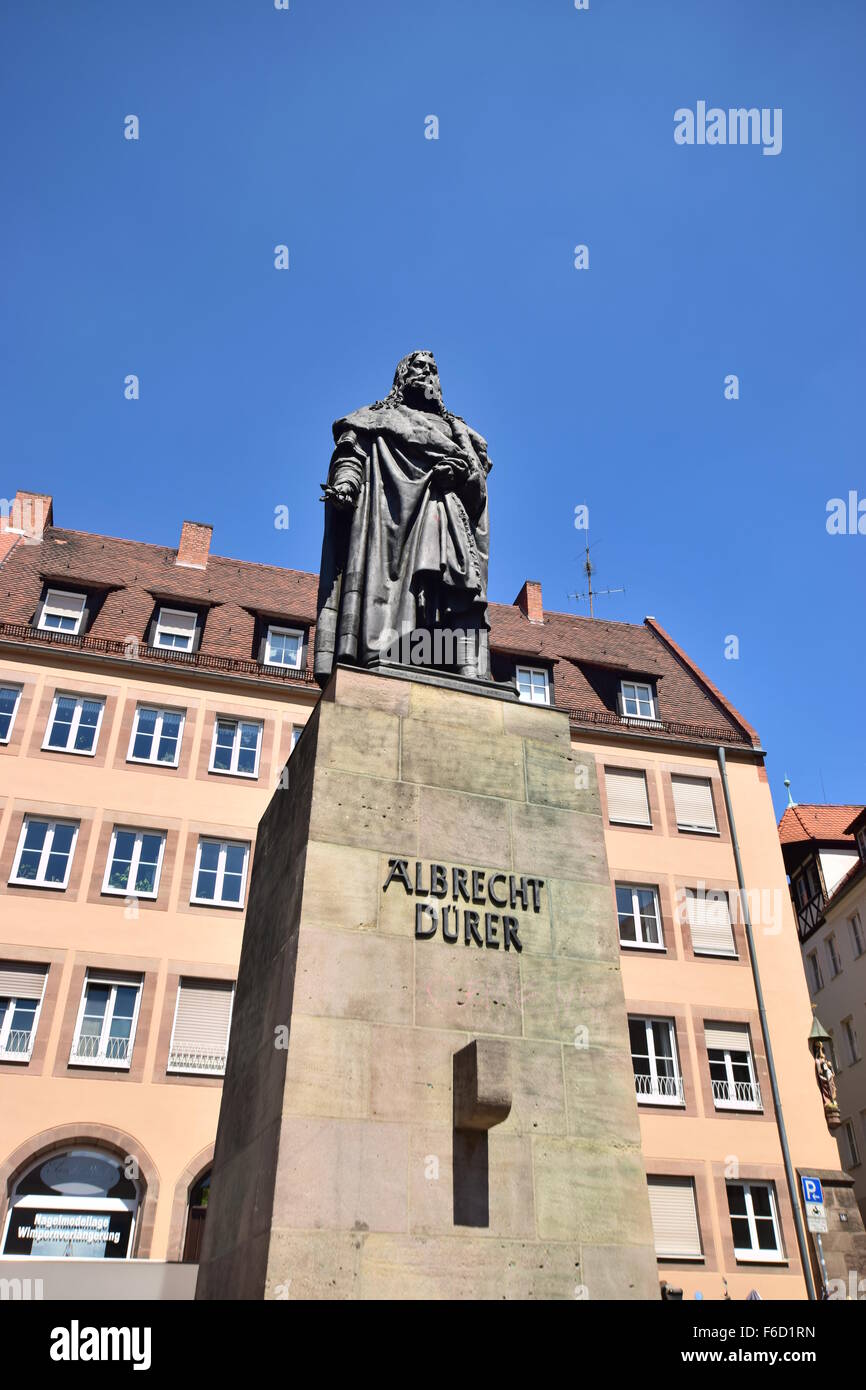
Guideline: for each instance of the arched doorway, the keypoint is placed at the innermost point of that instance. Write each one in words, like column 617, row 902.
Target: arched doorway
column 74, row 1202
column 196, row 1213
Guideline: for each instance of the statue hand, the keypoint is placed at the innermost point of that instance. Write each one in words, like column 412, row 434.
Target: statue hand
column 343, row 495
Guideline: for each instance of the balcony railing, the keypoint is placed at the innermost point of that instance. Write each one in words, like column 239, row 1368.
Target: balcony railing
column 197, row 1060
column 704, row 732
column 737, row 1095
column 660, row 1090
column 88, row 1047
column 18, row 1044
column 132, row 649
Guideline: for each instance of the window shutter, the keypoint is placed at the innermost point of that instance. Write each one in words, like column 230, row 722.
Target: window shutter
column 693, row 802
column 710, row 923
column 728, row 1037
column 675, row 1218
column 201, row 1025
column 21, row 981
column 627, row 796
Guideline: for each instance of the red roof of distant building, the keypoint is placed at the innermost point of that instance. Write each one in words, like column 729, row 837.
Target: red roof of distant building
column 817, row 822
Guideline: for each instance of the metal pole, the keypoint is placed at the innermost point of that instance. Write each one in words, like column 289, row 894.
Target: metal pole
column 765, row 1033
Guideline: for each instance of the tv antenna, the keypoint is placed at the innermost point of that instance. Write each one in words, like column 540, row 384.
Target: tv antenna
column 592, row 594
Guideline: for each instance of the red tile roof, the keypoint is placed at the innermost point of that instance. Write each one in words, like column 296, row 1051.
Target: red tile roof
column 817, row 822
column 134, row 575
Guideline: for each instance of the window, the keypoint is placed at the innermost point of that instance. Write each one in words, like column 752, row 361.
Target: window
column 200, row 1035
column 674, row 1212
column 639, row 917
column 709, row 917
column 62, row 612
column 21, row 990
column 284, row 647
column 833, row 957
column 236, row 746
column 533, row 685
column 856, row 929
column 44, row 854
column 10, row 696
column 220, row 873
column 134, row 863
column 297, row 730
column 76, row 1204
column 636, row 700
column 732, row 1067
column 156, row 736
column 861, row 842
column 852, row 1045
column 107, row 1018
column 693, row 804
column 657, row 1078
column 175, row 628
column 73, row 725
column 816, row 979
column 851, row 1153
column 627, row 799
column 754, row 1221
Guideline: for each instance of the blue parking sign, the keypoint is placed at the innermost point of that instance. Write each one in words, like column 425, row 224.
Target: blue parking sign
column 812, row 1190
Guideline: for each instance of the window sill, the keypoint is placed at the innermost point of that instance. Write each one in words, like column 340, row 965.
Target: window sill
column 715, row 955
column 101, row 1063
column 752, row 1257
column 738, row 1109
column 682, row 1259
column 227, row 772
column 74, row 752
column 151, row 762
column 632, row 824
column 699, row 830
column 643, row 946
column 209, row 902
column 22, row 1057
column 125, row 893
column 32, row 883
column 660, row 1104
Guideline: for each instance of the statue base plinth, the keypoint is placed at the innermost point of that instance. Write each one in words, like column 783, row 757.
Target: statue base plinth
column 429, row 1091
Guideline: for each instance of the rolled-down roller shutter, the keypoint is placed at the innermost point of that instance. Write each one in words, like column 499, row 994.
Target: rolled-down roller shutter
column 710, row 924
column 627, row 799
column 201, row 1024
column 693, row 803
column 727, row 1037
column 21, row 981
column 675, row 1218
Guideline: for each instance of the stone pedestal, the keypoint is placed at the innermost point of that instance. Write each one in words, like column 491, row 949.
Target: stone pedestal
column 433, row 875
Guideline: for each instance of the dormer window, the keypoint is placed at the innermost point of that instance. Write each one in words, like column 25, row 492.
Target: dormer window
column 637, row 700
column 62, row 612
column 533, row 684
column 283, row 647
column 175, row 629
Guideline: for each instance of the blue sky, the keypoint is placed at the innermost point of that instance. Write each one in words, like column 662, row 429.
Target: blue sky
column 601, row 387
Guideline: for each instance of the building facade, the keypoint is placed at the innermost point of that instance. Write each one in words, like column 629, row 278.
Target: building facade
column 824, row 849
column 149, row 701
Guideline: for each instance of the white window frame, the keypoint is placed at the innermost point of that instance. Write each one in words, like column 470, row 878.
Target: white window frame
column 854, row 1159
column 833, row 955
column 684, row 826
column 734, row 1102
column 640, row 944
column 16, row 705
column 6, row 1026
column 160, row 711
column 101, row 1060
column 531, row 672
column 816, row 981
column 858, row 941
column 852, row 1042
column 232, row 771
column 164, row 624
column 74, row 726
column 216, row 900
column 754, row 1255
column 129, row 891
column 175, row 1067
column 39, row 880
column 647, row 697
column 48, row 608
column 674, row 1084
column 297, row 730
column 276, row 630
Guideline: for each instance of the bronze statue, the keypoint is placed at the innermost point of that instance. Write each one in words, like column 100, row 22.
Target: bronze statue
column 403, row 578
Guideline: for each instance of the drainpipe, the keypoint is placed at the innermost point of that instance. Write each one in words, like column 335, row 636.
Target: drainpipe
column 765, row 1033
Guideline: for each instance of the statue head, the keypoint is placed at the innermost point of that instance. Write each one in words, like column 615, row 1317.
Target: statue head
column 416, row 383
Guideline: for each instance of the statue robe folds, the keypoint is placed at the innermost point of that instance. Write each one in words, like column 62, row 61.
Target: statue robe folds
column 412, row 552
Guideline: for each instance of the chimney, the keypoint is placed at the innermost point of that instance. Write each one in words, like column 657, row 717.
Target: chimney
column 529, row 601
column 194, row 545
column 24, row 519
